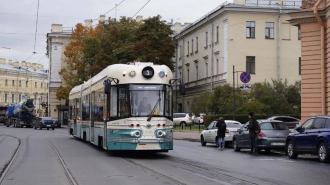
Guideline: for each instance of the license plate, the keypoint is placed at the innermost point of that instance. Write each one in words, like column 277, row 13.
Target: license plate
column 277, row 144
column 48, row 125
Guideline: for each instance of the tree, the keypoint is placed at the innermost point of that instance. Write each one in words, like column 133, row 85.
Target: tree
column 154, row 42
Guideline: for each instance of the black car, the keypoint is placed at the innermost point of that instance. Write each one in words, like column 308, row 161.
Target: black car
column 272, row 136
column 44, row 122
column 57, row 123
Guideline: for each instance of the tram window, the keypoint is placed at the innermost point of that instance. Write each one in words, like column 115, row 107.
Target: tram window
column 113, row 106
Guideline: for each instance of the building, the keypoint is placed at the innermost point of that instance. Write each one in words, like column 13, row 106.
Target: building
column 244, row 36
column 314, row 23
column 56, row 41
column 24, row 80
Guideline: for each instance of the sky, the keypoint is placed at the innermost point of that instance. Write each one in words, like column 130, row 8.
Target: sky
column 23, row 33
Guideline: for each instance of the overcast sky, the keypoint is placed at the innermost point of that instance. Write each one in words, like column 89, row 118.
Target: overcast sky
column 18, row 19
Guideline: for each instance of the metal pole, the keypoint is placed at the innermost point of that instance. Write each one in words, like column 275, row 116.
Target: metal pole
column 234, row 91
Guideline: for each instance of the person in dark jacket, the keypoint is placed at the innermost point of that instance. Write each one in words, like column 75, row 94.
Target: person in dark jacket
column 221, row 124
column 253, row 136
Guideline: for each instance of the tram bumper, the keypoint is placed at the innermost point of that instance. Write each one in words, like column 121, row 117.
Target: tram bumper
column 140, row 144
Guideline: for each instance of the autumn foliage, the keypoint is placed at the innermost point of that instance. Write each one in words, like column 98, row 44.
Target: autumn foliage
column 91, row 49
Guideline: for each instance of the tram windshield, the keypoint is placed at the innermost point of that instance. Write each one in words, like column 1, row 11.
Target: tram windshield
column 147, row 99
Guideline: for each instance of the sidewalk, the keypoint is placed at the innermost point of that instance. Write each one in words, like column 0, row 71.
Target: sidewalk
column 193, row 136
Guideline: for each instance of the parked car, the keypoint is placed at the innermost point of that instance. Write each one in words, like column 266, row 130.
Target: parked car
column 57, row 123
column 312, row 137
column 209, row 134
column 291, row 122
column 182, row 119
column 199, row 119
column 44, row 122
column 272, row 136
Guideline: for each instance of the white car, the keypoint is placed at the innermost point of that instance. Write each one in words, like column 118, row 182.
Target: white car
column 199, row 119
column 209, row 134
column 182, row 119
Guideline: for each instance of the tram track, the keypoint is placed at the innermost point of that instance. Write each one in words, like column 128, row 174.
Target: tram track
column 7, row 166
column 66, row 169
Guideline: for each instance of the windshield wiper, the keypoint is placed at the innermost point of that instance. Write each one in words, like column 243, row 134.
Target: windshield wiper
column 150, row 115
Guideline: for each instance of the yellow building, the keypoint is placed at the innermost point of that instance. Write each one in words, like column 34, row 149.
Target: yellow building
column 23, row 80
column 244, row 36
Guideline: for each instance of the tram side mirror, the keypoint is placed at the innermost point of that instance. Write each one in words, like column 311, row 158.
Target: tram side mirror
column 107, row 88
column 182, row 89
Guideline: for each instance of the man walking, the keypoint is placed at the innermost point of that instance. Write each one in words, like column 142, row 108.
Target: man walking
column 252, row 133
column 221, row 124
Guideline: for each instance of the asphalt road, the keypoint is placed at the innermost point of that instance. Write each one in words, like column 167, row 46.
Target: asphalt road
column 189, row 163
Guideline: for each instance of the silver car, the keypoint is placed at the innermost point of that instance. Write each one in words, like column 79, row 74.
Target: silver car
column 209, row 134
column 182, row 119
column 272, row 136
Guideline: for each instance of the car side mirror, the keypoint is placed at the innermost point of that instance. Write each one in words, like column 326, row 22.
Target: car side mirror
column 206, row 128
column 239, row 130
column 300, row 129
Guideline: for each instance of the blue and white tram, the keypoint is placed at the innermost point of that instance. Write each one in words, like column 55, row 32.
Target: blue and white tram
column 125, row 107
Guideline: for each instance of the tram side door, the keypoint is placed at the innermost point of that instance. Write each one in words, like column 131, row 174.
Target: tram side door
column 92, row 115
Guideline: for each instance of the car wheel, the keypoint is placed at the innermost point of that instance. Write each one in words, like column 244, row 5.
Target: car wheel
column 40, row 128
column 291, row 151
column 203, row 143
column 227, row 144
column 235, row 146
column 47, row 128
column 323, row 152
column 35, row 128
column 53, row 128
column 182, row 123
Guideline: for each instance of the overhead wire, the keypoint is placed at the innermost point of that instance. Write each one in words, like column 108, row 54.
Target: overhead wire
column 141, row 8
column 35, row 35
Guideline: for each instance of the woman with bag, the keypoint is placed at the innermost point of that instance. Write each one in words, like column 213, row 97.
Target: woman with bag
column 221, row 124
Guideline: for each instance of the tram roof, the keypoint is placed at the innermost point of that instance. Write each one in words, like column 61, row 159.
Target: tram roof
column 121, row 72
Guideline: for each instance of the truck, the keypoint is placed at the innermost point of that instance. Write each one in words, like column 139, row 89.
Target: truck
column 21, row 114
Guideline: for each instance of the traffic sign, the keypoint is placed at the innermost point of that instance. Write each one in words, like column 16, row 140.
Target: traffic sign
column 245, row 77
column 245, row 86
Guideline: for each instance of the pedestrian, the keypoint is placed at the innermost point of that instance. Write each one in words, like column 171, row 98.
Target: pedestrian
column 221, row 124
column 252, row 126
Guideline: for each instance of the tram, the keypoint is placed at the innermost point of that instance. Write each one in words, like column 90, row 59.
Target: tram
column 125, row 107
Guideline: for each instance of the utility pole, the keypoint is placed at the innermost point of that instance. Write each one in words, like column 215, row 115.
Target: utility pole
column 234, row 92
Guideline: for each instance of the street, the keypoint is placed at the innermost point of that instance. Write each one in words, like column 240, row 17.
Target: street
column 54, row 157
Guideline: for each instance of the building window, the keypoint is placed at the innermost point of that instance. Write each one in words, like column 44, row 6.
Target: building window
column 269, row 30
column 20, row 83
column 250, row 64
column 206, row 39
column 196, row 71
column 19, row 98
column 12, row 98
column 6, row 83
column 187, row 74
column 41, row 85
column 35, row 84
column 196, row 43
column 188, row 106
column 180, row 75
column 27, row 83
column 188, row 47
column 217, row 34
column 250, row 29
column 180, row 51
column 192, row 46
column 6, row 98
column 299, row 34
column 217, row 70
column 299, row 66
column 13, row 83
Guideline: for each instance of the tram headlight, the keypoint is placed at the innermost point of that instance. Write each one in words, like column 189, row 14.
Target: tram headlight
column 161, row 133
column 136, row 133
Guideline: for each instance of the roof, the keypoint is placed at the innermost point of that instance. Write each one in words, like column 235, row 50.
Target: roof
column 22, row 69
column 290, row 7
